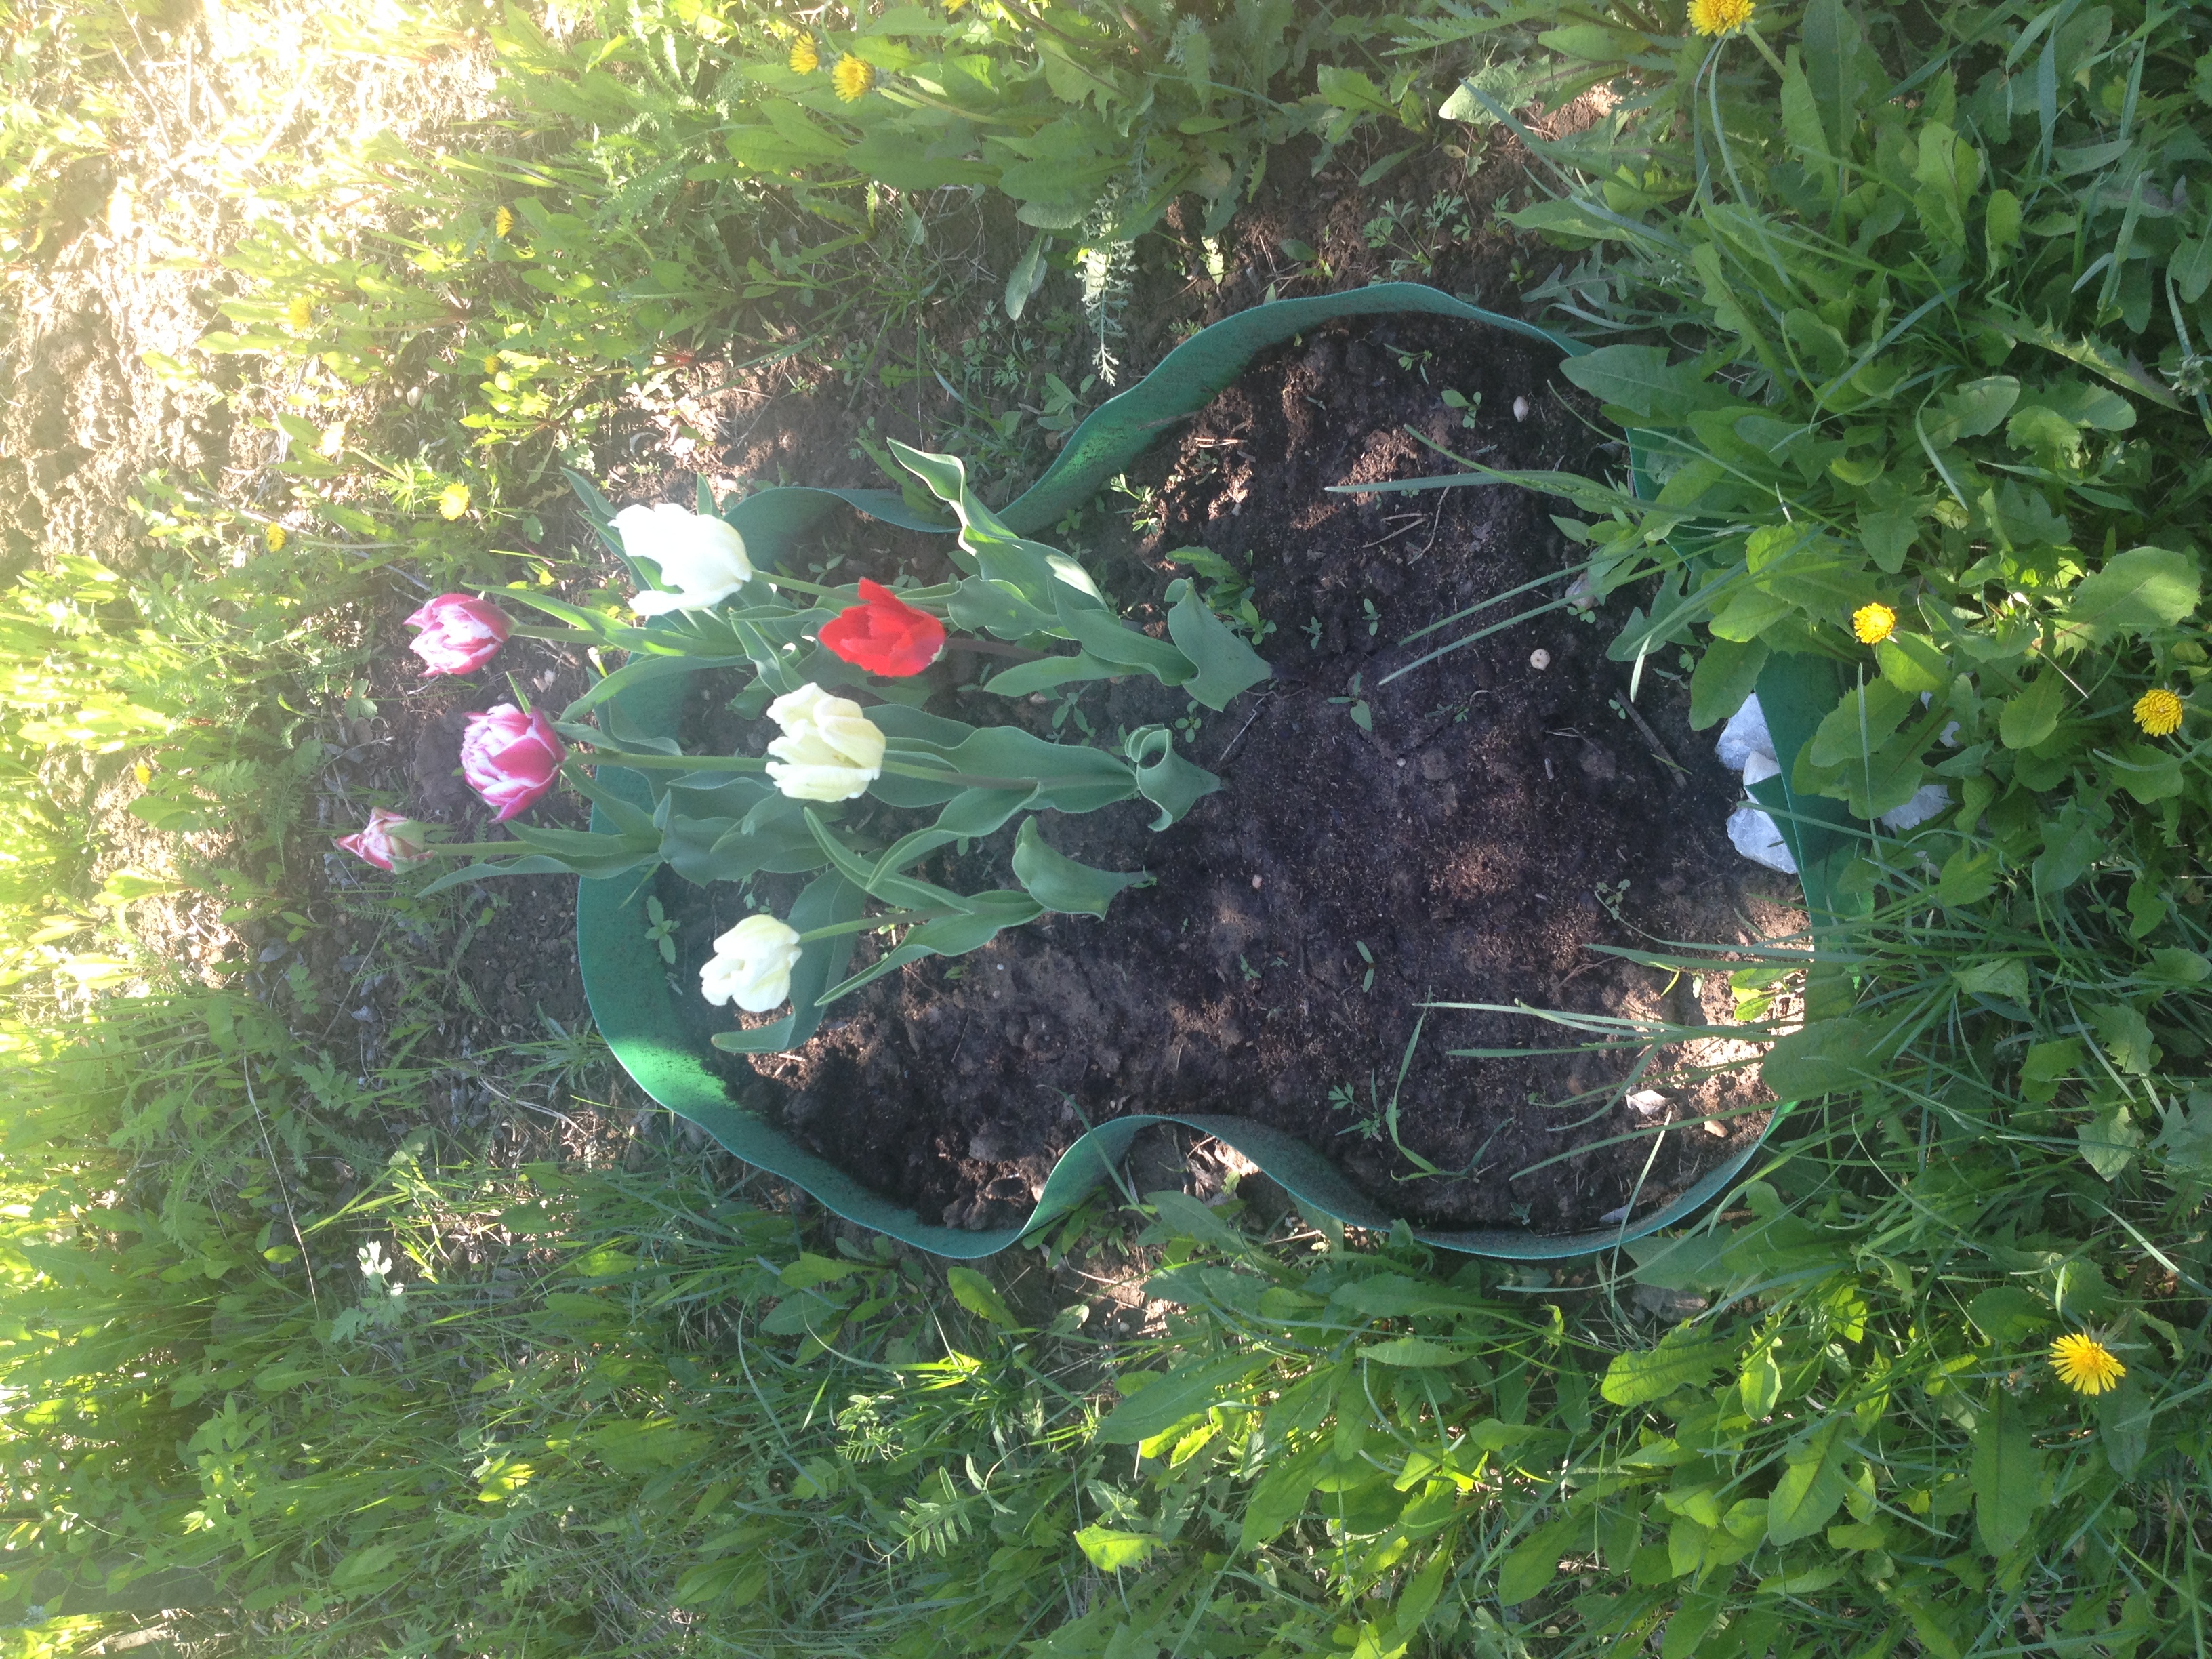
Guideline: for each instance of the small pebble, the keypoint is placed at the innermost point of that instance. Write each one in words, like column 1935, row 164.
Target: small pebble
column 1521, row 408
column 1540, row 659
column 1255, row 883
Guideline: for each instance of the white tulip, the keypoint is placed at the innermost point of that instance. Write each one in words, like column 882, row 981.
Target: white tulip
column 751, row 965
column 702, row 558
column 829, row 751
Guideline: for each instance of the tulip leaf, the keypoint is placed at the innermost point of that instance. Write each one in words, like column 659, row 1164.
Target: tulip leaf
column 1059, row 882
column 971, row 814
column 947, row 936
column 1226, row 664
column 983, row 606
column 1105, row 636
column 908, row 892
column 1048, row 672
column 1165, row 778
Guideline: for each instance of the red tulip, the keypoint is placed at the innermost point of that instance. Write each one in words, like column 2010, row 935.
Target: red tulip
column 511, row 758
column 459, row 635
column 389, row 841
column 884, row 634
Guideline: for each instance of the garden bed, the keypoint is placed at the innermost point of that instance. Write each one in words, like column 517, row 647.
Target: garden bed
column 1464, row 834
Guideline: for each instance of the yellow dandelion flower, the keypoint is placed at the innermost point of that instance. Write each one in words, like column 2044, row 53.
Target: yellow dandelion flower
column 805, row 58
column 142, row 772
column 1874, row 624
column 491, row 363
column 503, row 223
column 1720, row 16
column 852, row 78
column 452, row 500
column 299, row 312
column 274, row 538
column 952, row 6
column 333, row 441
column 2158, row 711
column 2085, row 1365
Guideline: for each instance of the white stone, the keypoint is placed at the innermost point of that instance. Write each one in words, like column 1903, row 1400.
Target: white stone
column 1929, row 801
column 1745, row 735
column 1759, row 838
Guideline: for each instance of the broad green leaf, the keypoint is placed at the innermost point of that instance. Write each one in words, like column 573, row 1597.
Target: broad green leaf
column 1111, row 1551
column 1279, row 1496
column 1860, row 724
column 1640, row 380
column 1811, row 1488
column 2007, row 1315
column 2000, row 977
column 2148, row 773
column 2109, row 1142
column 980, row 1297
column 1913, row 663
column 1725, row 676
column 1165, row 777
column 1058, row 882
column 1184, row 1392
column 2126, row 1036
column 2032, row 715
column 1641, row 1376
column 2007, row 1473
column 1531, row 1563
column 1047, row 672
column 1225, row 664
column 2142, row 589
column 1412, row 1351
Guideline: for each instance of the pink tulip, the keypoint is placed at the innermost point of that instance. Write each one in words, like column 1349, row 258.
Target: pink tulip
column 389, row 841
column 511, row 758
column 459, row 635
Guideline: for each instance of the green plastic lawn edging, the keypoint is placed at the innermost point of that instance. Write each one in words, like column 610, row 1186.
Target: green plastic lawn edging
column 626, row 980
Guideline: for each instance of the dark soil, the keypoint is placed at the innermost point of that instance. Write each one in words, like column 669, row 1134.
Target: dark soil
column 1498, row 821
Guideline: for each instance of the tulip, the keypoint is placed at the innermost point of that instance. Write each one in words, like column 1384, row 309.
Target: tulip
column 752, row 965
column 511, row 758
column 884, row 634
column 459, row 635
column 390, row 842
column 829, row 751
column 702, row 558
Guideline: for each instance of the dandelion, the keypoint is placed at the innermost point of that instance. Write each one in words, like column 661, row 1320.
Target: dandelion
column 503, row 223
column 491, row 363
column 333, row 443
column 274, row 538
column 852, row 78
column 301, row 311
column 805, row 58
column 452, row 500
column 2085, row 1364
column 2158, row 711
column 1720, row 16
column 1874, row 624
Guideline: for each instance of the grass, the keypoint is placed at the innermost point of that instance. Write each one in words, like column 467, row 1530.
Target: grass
column 292, row 1362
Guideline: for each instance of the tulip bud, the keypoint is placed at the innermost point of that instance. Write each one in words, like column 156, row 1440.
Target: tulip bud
column 884, row 634
column 390, row 842
column 751, row 965
column 829, row 751
column 702, row 558
column 459, row 635
column 511, row 758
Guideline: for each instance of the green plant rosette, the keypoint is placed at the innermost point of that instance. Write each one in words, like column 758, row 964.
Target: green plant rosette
column 625, row 980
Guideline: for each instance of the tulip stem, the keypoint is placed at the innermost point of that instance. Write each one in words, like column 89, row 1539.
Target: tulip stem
column 677, row 762
column 993, row 648
column 520, row 632
column 777, row 579
column 869, row 924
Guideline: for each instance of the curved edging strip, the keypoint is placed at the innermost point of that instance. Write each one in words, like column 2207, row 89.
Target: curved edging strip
column 626, row 984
